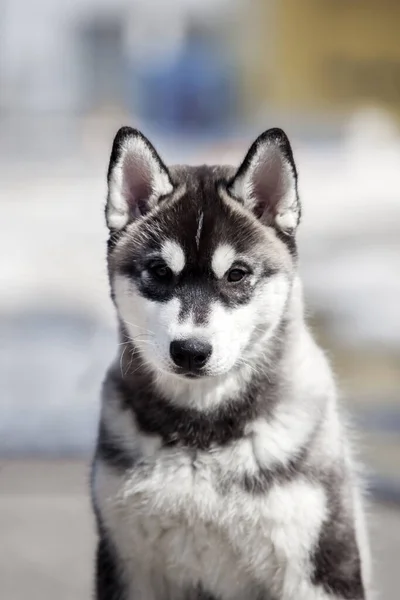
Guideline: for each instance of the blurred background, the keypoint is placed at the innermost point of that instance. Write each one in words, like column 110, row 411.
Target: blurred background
column 201, row 79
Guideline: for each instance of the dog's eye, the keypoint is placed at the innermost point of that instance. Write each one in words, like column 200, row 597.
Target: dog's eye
column 160, row 271
column 235, row 275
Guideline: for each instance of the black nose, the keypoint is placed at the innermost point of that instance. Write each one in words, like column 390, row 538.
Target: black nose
column 191, row 354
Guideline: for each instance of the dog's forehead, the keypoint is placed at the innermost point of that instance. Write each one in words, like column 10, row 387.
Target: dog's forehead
column 199, row 219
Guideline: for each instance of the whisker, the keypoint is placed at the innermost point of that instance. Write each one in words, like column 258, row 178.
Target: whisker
column 138, row 327
column 120, row 361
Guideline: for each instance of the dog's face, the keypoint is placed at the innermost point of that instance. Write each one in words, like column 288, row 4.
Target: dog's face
column 202, row 260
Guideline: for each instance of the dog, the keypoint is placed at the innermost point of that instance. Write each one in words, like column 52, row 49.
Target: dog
column 223, row 468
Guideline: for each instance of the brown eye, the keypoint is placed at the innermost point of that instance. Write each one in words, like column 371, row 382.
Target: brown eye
column 235, row 275
column 161, row 272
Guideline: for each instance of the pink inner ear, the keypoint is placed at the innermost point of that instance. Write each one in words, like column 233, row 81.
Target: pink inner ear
column 267, row 182
column 137, row 184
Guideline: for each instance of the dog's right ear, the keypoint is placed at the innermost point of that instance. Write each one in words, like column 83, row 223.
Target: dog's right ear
column 137, row 178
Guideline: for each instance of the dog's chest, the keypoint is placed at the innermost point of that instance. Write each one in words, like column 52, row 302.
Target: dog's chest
column 186, row 514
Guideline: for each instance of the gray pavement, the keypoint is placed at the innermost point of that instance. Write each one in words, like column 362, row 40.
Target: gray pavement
column 47, row 534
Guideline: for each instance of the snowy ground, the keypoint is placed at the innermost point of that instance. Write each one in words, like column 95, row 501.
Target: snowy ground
column 56, row 320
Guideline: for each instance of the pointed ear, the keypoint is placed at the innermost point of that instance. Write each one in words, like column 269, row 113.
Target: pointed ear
column 266, row 182
column 137, row 178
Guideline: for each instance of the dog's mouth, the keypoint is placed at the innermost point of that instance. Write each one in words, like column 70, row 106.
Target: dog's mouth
column 190, row 374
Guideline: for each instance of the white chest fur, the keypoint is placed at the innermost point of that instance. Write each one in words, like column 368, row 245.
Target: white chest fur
column 180, row 513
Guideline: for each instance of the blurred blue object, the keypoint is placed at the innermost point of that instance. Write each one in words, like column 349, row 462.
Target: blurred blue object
column 190, row 92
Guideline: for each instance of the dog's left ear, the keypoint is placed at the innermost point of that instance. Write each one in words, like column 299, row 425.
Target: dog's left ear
column 266, row 182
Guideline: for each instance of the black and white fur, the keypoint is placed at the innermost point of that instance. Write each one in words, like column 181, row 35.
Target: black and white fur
column 229, row 478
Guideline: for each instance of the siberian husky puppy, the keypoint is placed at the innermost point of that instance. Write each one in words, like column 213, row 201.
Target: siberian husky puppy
column 222, row 469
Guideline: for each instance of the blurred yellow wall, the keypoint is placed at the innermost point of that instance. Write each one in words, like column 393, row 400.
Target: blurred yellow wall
column 326, row 54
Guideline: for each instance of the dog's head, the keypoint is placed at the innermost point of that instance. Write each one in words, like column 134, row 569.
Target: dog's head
column 201, row 259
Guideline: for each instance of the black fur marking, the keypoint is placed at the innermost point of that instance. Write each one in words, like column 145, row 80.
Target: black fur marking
column 336, row 560
column 289, row 241
column 109, row 585
column 188, row 426
column 113, row 238
column 195, row 300
column 261, row 482
column 267, row 271
column 112, row 453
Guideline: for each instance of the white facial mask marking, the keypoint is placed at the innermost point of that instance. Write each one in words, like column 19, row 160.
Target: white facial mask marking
column 222, row 259
column 233, row 333
column 173, row 255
